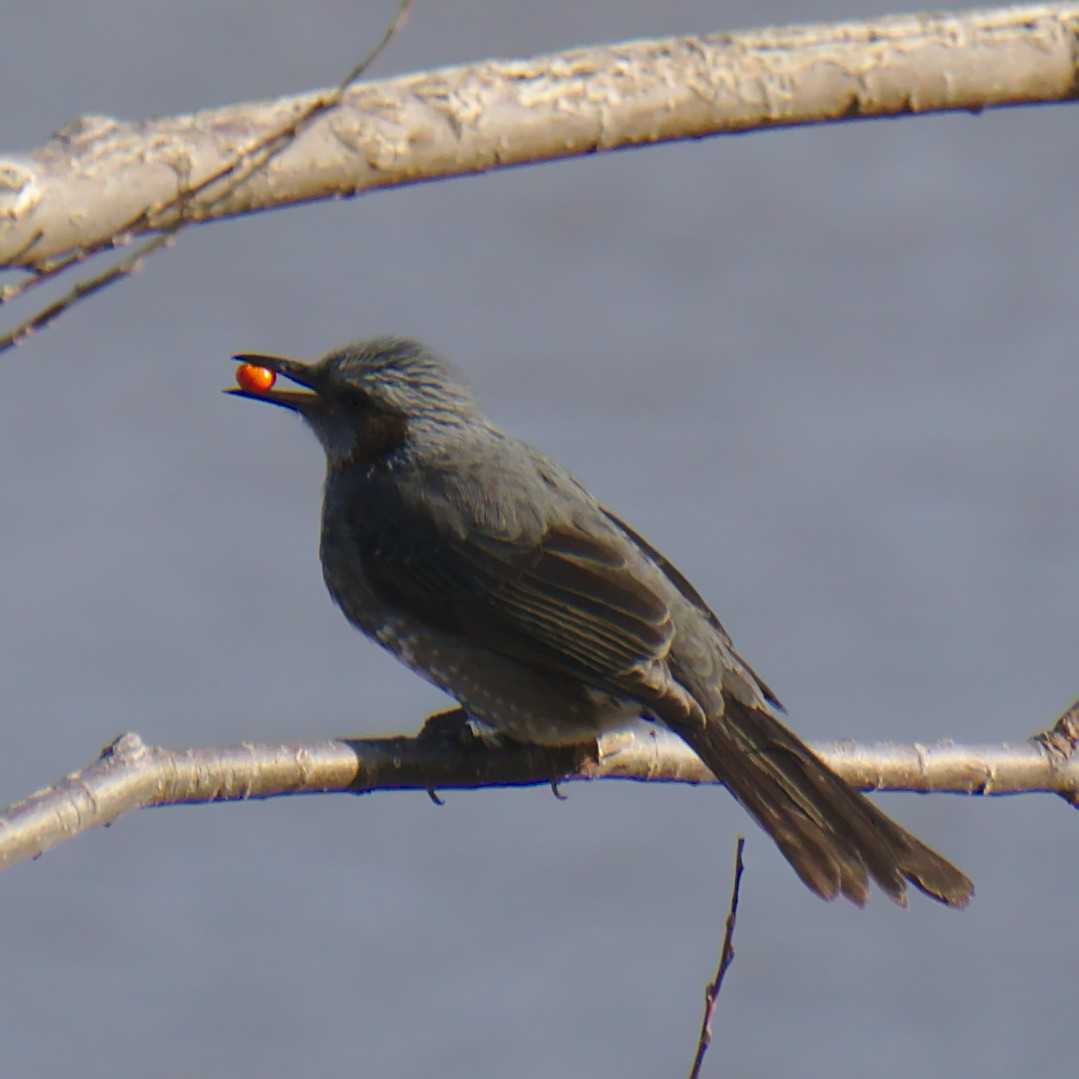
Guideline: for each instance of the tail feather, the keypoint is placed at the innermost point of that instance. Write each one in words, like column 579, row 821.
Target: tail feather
column 834, row 837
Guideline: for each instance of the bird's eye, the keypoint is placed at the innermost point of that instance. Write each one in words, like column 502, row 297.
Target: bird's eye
column 253, row 378
column 356, row 399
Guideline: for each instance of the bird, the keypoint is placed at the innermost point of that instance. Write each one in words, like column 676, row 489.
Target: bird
column 490, row 571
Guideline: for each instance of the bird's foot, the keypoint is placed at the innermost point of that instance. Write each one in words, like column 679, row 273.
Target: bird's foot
column 450, row 726
column 457, row 728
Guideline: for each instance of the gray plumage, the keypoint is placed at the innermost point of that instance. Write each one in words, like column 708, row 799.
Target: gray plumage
column 489, row 570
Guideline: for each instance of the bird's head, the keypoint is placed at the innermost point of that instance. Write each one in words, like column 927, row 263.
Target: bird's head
column 361, row 400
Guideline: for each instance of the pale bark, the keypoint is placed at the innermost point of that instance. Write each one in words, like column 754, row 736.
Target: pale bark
column 97, row 175
column 130, row 774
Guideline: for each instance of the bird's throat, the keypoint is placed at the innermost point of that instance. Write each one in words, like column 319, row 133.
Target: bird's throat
column 378, row 435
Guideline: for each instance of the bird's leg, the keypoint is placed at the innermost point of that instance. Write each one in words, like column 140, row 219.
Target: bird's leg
column 452, row 725
column 455, row 727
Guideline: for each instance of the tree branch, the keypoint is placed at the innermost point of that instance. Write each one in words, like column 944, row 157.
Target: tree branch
column 130, row 774
column 243, row 161
column 97, row 173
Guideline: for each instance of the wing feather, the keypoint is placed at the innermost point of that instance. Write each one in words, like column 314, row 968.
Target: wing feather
column 563, row 598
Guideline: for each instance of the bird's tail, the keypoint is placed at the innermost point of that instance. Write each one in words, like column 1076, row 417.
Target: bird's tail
column 833, row 836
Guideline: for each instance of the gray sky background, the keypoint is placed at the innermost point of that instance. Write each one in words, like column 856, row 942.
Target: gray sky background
column 830, row 372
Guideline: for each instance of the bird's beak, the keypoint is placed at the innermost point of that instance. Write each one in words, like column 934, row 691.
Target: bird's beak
column 300, row 373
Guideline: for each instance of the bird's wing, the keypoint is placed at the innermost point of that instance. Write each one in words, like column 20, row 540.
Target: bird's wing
column 676, row 578
column 567, row 596
column 672, row 573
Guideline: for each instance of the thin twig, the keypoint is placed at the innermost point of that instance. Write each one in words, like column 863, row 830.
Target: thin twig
column 86, row 287
column 246, row 161
column 726, row 957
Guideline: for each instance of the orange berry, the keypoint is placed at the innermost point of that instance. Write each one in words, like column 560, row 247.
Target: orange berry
column 254, row 379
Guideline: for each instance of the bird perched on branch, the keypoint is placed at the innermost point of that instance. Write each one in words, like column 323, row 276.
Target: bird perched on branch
column 489, row 570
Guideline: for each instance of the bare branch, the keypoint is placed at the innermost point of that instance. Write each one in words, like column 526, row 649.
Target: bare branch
column 243, row 162
column 130, row 774
column 726, row 957
column 125, row 267
column 98, row 174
